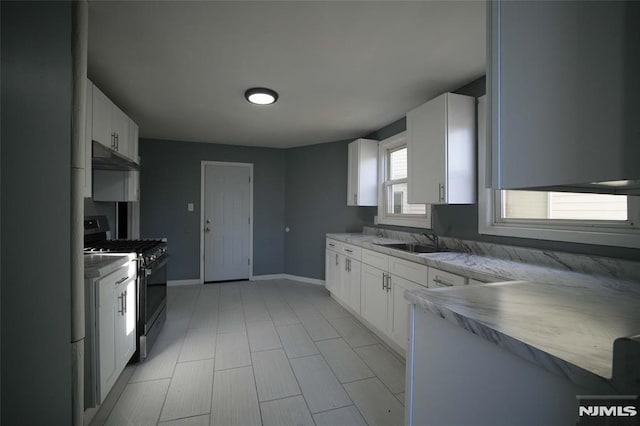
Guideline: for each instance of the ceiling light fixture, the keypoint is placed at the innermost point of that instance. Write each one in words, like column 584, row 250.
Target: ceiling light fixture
column 261, row 96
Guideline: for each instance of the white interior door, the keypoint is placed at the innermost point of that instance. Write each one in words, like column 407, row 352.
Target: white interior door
column 227, row 197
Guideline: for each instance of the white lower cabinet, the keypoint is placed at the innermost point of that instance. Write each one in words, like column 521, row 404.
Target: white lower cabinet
column 372, row 284
column 116, row 325
column 375, row 298
column 332, row 263
column 399, row 324
column 343, row 273
column 350, row 278
column 383, row 302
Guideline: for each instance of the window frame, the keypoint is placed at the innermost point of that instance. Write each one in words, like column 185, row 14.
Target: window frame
column 490, row 222
column 385, row 147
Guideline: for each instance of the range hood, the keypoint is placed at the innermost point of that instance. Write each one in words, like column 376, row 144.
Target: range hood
column 104, row 158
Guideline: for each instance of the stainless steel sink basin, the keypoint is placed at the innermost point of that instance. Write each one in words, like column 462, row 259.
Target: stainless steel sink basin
column 411, row 247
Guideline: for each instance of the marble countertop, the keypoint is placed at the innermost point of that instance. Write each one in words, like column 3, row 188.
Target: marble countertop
column 564, row 321
column 98, row 265
column 488, row 269
column 568, row 330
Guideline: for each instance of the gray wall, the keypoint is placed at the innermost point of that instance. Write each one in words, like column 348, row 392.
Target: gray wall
column 101, row 208
column 170, row 178
column 316, row 203
column 36, row 181
column 303, row 188
column 461, row 221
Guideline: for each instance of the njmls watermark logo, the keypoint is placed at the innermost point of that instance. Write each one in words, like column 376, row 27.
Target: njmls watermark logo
column 608, row 410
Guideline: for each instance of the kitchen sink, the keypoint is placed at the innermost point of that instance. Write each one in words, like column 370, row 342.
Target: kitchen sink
column 411, row 247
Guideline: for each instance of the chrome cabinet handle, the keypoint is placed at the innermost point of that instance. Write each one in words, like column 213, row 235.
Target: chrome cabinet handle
column 441, row 282
column 336, row 259
column 125, row 301
column 355, row 198
column 388, row 282
column 384, row 276
column 348, row 250
column 121, row 297
column 120, row 281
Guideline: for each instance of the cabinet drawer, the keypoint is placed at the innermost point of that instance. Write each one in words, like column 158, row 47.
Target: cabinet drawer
column 334, row 245
column 409, row 270
column 352, row 251
column 373, row 258
column 438, row 278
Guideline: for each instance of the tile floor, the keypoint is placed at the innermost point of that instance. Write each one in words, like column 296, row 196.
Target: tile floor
column 273, row 352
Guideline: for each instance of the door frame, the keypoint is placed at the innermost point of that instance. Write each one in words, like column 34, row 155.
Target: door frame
column 203, row 165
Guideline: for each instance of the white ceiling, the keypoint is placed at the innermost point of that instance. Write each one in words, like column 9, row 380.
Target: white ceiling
column 342, row 69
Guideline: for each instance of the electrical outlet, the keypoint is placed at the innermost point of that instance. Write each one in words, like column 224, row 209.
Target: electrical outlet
column 190, row 207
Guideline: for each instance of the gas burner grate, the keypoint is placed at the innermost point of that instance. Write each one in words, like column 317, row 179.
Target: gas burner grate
column 122, row 246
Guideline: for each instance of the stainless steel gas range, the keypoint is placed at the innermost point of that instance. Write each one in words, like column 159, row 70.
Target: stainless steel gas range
column 151, row 285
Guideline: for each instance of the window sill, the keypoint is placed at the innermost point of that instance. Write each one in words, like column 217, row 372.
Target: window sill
column 604, row 237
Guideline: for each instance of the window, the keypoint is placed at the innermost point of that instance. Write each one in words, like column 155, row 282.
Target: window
column 602, row 219
column 393, row 206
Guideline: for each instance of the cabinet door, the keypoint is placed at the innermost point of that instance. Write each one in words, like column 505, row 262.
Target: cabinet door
column 426, row 134
column 399, row 307
column 352, row 175
column 545, row 128
column 133, row 141
column 352, row 284
column 102, row 128
column 125, row 322
column 373, row 302
column 333, row 265
column 120, row 124
column 362, row 174
column 107, row 367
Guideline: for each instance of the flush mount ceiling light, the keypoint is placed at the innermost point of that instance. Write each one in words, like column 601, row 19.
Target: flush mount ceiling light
column 261, row 96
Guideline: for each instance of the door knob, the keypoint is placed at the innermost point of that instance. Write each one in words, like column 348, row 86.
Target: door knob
column 207, row 229
column 208, row 221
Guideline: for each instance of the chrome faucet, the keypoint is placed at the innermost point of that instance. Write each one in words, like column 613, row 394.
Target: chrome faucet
column 433, row 238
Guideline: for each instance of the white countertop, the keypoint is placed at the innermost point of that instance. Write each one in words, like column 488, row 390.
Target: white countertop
column 99, row 265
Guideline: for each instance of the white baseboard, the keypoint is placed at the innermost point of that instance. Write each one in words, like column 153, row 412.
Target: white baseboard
column 175, row 283
column 267, row 277
column 304, row 279
column 287, row 277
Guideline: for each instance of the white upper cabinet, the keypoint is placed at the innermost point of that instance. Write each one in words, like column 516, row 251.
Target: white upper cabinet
column 133, row 141
column 101, row 129
column 441, row 151
column 120, row 125
column 362, row 179
column 563, row 92
column 111, row 127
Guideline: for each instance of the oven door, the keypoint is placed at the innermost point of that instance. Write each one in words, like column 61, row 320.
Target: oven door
column 152, row 302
